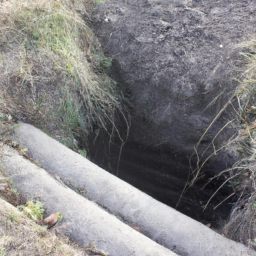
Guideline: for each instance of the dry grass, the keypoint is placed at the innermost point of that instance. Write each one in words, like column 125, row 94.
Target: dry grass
column 241, row 225
column 52, row 68
column 21, row 236
column 241, row 177
column 244, row 116
column 246, row 95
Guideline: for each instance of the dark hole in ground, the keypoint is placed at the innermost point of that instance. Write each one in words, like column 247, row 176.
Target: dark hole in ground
column 162, row 173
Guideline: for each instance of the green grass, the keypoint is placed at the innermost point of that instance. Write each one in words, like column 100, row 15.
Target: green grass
column 99, row 1
column 2, row 251
column 71, row 112
column 83, row 153
column 68, row 142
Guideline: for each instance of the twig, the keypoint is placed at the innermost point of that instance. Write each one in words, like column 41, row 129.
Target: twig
column 217, row 136
column 216, row 176
column 218, row 115
column 223, row 201
column 220, row 188
column 198, row 171
column 184, row 189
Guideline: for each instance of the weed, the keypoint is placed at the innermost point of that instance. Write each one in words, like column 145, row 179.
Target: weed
column 2, row 251
column 5, row 118
column 14, row 191
column 60, row 216
column 83, row 153
column 105, row 64
column 10, row 181
column 33, row 209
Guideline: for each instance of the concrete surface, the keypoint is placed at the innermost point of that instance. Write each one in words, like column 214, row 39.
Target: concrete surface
column 159, row 222
column 84, row 221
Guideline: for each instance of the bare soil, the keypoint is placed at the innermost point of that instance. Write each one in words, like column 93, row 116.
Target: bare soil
column 179, row 63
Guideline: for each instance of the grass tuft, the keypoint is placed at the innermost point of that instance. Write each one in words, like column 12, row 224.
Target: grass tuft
column 33, row 209
column 241, row 176
column 49, row 58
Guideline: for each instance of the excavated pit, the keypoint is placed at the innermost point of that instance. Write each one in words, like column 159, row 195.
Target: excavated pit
column 163, row 173
column 176, row 63
column 83, row 220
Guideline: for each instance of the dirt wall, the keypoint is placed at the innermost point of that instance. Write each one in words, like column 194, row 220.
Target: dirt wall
column 177, row 62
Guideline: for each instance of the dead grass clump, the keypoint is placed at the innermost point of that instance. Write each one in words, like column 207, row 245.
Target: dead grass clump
column 51, row 65
column 241, row 226
column 241, row 177
column 21, row 236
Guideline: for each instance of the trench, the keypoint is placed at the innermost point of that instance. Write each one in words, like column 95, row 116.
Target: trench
column 174, row 66
column 162, row 173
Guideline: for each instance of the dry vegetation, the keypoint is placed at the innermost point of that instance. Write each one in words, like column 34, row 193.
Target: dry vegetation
column 21, row 236
column 241, row 226
column 53, row 73
column 241, row 176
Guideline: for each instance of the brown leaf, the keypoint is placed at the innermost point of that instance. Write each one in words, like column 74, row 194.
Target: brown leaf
column 51, row 220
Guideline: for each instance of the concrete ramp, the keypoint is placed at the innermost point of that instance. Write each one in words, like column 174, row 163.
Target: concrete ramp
column 157, row 221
